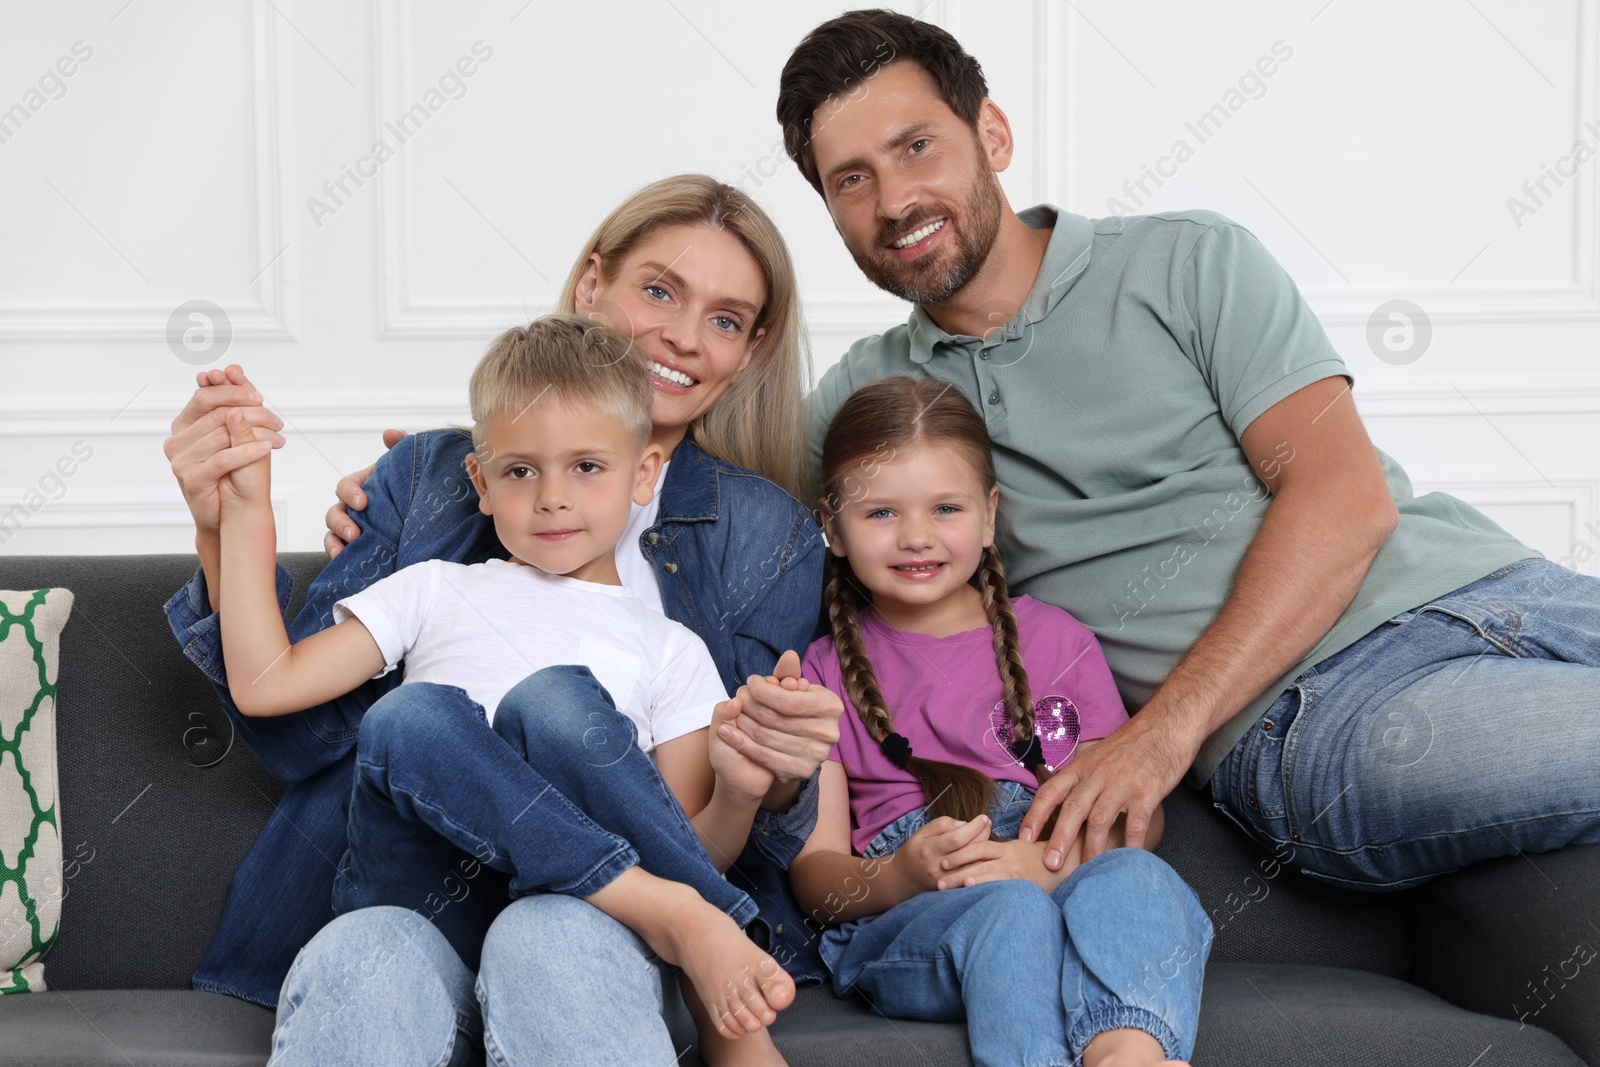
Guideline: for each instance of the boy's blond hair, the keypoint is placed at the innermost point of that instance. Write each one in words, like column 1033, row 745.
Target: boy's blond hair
column 565, row 358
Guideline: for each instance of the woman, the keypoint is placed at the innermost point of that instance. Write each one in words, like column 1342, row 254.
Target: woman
column 698, row 276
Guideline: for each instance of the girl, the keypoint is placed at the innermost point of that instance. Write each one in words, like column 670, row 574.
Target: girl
column 944, row 913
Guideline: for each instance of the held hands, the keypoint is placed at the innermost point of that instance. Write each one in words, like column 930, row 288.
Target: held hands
column 784, row 723
column 745, row 777
column 250, row 484
column 201, row 448
column 341, row 531
column 1130, row 771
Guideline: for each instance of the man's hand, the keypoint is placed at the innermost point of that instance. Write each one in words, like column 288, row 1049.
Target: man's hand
column 921, row 861
column 200, row 449
column 994, row 861
column 341, row 531
column 744, row 776
column 1130, row 771
column 785, row 723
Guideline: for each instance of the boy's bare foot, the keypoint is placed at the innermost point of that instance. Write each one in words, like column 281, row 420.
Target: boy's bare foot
column 751, row 1050
column 742, row 987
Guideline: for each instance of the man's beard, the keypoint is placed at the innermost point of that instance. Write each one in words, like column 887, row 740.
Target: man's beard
column 925, row 282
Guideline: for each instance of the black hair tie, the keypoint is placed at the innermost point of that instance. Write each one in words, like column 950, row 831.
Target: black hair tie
column 897, row 748
column 1033, row 756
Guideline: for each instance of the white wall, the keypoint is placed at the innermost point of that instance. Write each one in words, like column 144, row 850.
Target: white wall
column 178, row 163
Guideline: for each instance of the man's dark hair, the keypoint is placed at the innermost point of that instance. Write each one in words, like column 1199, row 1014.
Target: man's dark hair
column 842, row 54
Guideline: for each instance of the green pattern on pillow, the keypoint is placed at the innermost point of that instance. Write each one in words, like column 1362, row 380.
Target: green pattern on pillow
column 30, row 827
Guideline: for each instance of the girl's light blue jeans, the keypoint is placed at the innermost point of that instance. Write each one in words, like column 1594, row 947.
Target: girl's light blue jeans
column 1464, row 729
column 1121, row 943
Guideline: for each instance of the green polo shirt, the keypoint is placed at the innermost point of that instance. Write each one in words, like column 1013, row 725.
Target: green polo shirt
column 1116, row 398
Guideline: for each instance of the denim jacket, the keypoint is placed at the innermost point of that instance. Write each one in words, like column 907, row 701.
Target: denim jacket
column 739, row 562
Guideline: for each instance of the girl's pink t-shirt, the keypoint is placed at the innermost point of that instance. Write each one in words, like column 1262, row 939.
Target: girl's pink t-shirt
column 943, row 693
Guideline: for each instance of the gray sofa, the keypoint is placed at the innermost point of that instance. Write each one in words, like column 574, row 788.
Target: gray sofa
column 1300, row 973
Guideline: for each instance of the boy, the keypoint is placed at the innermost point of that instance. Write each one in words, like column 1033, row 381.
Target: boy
column 493, row 721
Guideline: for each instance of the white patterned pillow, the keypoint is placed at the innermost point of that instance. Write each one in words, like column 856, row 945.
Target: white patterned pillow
column 30, row 824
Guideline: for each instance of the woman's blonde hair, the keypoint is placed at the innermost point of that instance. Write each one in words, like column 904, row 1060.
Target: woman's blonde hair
column 760, row 421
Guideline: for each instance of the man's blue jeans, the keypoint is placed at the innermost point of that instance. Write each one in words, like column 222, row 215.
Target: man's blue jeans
column 557, row 795
column 1465, row 729
column 1121, row 943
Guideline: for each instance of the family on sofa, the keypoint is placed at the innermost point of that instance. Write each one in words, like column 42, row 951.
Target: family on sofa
column 607, row 780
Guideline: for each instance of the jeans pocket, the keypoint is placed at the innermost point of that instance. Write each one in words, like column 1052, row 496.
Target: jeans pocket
column 1261, row 771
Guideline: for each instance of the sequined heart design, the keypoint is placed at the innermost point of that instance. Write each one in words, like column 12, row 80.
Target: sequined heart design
column 1055, row 720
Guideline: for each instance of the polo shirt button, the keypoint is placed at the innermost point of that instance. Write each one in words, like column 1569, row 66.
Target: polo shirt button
column 984, row 354
column 672, row 568
column 994, row 397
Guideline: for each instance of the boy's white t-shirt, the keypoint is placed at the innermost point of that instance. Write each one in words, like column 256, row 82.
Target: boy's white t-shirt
column 485, row 627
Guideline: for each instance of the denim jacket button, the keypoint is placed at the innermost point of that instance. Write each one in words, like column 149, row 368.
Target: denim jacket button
column 652, row 537
column 778, row 930
column 672, row 568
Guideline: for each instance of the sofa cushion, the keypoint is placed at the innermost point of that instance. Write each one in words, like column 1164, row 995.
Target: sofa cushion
column 1263, row 910
column 1259, row 1015
column 164, row 803
column 1520, row 937
column 1251, row 1015
column 30, row 817
column 134, row 1028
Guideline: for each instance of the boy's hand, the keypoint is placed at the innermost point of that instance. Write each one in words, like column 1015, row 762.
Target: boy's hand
column 747, row 778
column 786, row 724
column 993, row 861
column 924, row 855
column 251, row 483
column 200, row 449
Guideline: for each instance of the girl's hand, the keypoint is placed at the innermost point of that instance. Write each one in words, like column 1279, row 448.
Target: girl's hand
column 200, row 448
column 249, row 484
column 744, row 776
column 993, row 861
column 924, row 853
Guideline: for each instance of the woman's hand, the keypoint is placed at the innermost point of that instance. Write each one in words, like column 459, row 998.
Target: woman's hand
column 785, row 723
column 922, row 859
column 200, row 449
column 341, row 531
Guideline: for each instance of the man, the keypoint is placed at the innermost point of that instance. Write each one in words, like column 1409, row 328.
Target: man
column 1182, row 467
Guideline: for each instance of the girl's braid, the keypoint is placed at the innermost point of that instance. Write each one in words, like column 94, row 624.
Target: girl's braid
column 1008, row 650
column 844, row 613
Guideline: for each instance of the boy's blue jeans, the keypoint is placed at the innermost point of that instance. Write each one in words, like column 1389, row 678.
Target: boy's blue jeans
column 1465, row 729
column 1122, row 942
column 557, row 796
